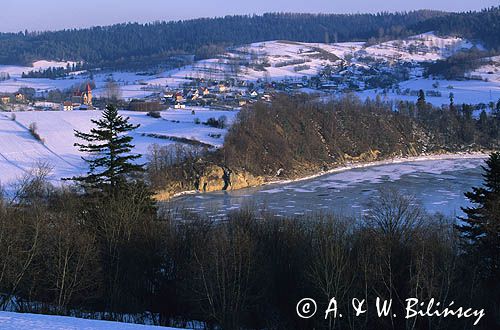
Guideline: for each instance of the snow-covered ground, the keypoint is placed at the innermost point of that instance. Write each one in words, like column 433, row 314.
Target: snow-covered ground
column 16, row 71
column 18, row 321
column 420, row 48
column 464, row 91
column 20, row 152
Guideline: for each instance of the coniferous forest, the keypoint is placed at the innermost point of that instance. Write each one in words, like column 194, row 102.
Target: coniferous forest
column 130, row 44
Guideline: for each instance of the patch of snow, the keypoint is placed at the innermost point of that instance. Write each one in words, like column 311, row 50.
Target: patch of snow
column 19, row 321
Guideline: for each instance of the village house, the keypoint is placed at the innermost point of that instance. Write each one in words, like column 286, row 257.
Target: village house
column 193, row 94
column 67, row 106
column 266, row 97
column 5, row 99
column 204, row 91
column 179, row 97
column 20, row 97
column 222, row 88
column 44, row 105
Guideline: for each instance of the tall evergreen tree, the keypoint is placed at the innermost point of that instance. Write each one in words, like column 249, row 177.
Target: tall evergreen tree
column 421, row 103
column 452, row 102
column 111, row 162
column 480, row 227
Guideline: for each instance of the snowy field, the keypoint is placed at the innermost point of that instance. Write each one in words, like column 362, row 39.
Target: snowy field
column 465, row 91
column 20, row 152
column 17, row 321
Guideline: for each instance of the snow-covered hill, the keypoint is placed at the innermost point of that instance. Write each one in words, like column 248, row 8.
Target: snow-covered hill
column 17, row 321
column 273, row 60
column 420, row 48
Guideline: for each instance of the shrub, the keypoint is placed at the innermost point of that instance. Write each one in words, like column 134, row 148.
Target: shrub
column 154, row 114
column 217, row 123
column 33, row 128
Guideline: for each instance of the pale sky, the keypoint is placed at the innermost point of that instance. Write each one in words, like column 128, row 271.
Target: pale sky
column 18, row 15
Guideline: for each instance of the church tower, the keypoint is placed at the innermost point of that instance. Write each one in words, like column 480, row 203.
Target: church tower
column 87, row 96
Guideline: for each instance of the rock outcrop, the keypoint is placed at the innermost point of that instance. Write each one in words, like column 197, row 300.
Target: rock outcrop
column 218, row 178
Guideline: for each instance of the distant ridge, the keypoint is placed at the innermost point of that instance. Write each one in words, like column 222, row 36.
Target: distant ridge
column 134, row 44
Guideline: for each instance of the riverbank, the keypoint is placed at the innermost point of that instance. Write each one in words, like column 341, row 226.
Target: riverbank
column 396, row 160
column 349, row 166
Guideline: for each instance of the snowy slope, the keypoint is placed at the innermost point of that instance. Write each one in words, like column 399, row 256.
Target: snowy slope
column 464, row 91
column 283, row 59
column 17, row 321
column 17, row 71
column 419, row 48
column 20, row 152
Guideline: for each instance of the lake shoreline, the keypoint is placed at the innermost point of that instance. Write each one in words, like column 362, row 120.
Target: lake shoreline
column 355, row 165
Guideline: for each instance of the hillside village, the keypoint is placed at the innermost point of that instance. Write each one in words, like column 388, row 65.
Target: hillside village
column 393, row 70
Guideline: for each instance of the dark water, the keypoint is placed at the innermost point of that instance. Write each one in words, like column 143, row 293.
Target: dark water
column 437, row 185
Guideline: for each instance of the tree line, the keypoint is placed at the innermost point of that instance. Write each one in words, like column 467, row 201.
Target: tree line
column 299, row 134
column 53, row 72
column 132, row 44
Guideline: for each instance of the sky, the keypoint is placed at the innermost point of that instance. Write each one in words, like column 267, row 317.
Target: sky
column 39, row 15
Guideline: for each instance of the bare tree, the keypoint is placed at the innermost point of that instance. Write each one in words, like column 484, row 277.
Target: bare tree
column 112, row 91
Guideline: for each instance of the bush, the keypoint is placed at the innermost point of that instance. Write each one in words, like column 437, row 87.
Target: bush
column 33, row 128
column 217, row 123
column 154, row 114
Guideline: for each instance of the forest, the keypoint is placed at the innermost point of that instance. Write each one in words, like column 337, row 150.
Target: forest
column 101, row 247
column 133, row 44
column 298, row 131
column 114, row 258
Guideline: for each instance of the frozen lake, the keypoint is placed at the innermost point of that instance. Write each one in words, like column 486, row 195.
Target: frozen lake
column 438, row 185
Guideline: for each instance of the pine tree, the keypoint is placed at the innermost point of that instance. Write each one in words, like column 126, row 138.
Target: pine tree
column 452, row 102
column 421, row 100
column 113, row 162
column 480, row 228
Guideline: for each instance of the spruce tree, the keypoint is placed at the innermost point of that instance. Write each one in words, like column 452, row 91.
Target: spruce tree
column 452, row 102
column 480, row 228
column 421, row 100
column 111, row 162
